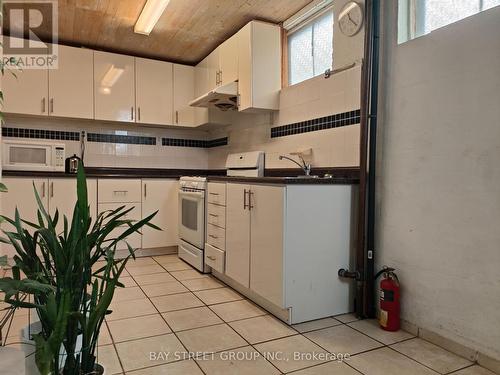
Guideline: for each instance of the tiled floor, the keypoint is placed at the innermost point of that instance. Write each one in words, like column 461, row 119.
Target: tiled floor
column 169, row 317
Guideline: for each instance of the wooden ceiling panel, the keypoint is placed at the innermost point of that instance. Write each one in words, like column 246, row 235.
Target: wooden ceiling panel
column 187, row 31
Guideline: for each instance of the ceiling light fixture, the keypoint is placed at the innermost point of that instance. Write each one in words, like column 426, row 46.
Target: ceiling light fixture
column 149, row 16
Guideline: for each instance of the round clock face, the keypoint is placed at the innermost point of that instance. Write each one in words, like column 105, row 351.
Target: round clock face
column 351, row 18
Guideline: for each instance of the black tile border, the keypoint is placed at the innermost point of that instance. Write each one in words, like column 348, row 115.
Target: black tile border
column 320, row 123
column 40, row 134
column 124, row 139
column 176, row 142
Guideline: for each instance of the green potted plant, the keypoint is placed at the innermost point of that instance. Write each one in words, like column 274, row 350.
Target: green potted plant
column 70, row 296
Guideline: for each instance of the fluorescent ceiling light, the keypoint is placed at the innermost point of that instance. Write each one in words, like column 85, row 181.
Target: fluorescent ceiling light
column 111, row 76
column 149, row 16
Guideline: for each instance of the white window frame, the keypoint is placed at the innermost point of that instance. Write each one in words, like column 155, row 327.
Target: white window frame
column 411, row 19
column 302, row 18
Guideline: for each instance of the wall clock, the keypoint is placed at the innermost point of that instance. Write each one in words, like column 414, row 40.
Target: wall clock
column 350, row 18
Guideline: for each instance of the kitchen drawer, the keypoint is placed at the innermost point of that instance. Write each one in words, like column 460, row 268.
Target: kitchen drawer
column 214, row 258
column 216, row 215
column 216, row 236
column 217, row 193
column 119, row 190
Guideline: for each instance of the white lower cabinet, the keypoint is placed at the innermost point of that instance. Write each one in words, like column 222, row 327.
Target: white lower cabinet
column 285, row 244
column 160, row 195
column 237, row 234
column 56, row 193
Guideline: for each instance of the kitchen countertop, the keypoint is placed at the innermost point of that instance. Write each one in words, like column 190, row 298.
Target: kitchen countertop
column 286, row 180
column 272, row 176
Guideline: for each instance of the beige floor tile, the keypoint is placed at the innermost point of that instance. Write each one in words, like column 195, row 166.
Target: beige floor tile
column 104, row 336
column 130, row 309
column 128, row 294
column 137, row 354
column 386, row 361
column 220, row 295
column 16, row 325
column 145, row 270
column 282, row 353
column 128, row 281
column 371, row 328
column 138, row 328
column 262, row 328
column 176, row 302
column 237, row 310
column 163, row 289
column 316, row 324
column 191, row 318
column 243, row 361
column 330, row 368
column 211, row 339
column 177, row 266
column 154, row 278
column 342, row 339
column 28, row 349
column 474, row 370
column 165, row 259
column 107, row 357
column 186, row 275
column 346, row 318
column 141, row 261
column 431, row 355
column 187, row 367
column 202, row 283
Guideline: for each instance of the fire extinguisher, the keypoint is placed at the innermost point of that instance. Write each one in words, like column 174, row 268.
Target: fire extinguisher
column 389, row 300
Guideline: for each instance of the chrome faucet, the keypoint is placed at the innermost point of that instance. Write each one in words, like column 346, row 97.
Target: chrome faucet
column 304, row 166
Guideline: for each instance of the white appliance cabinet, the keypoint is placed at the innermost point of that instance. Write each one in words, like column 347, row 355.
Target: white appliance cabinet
column 285, row 243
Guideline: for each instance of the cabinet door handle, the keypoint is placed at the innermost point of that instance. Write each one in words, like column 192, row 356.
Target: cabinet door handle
column 43, row 105
column 214, row 215
column 250, row 195
column 213, row 193
column 139, row 113
column 211, row 235
column 43, row 189
column 120, row 191
column 176, row 117
column 131, row 113
column 145, row 190
column 238, row 100
column 52, row 189
column 51, row 109
column 245, row 199
column 210, row 257
column 220, row 77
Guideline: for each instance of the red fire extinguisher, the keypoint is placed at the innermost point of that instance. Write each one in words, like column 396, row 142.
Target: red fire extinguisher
column 389, row 300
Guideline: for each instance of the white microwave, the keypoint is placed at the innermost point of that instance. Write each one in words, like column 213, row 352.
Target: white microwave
column 33, row 155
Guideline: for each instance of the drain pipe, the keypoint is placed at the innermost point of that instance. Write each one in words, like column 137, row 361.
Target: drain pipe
column 365, row 251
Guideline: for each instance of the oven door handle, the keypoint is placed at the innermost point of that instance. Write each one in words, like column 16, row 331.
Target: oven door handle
column 193, row 194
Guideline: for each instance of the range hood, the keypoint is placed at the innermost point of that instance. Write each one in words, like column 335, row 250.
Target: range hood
column 223, row 97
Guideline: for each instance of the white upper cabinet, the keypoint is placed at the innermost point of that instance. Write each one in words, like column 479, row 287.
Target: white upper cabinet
column 201, row 78
column 259, row 66
column 213, row 69
column 228, row 60
column 114, row 87
column 25, row 91
column 71, row 84
column 154, row 91
column 184, row 92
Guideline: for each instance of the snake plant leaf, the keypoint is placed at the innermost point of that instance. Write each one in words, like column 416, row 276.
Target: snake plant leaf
column 12, row 287
column 3, row 188
column 3, row 258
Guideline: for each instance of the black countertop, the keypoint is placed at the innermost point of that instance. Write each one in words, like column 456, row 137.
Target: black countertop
column 272, row 176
